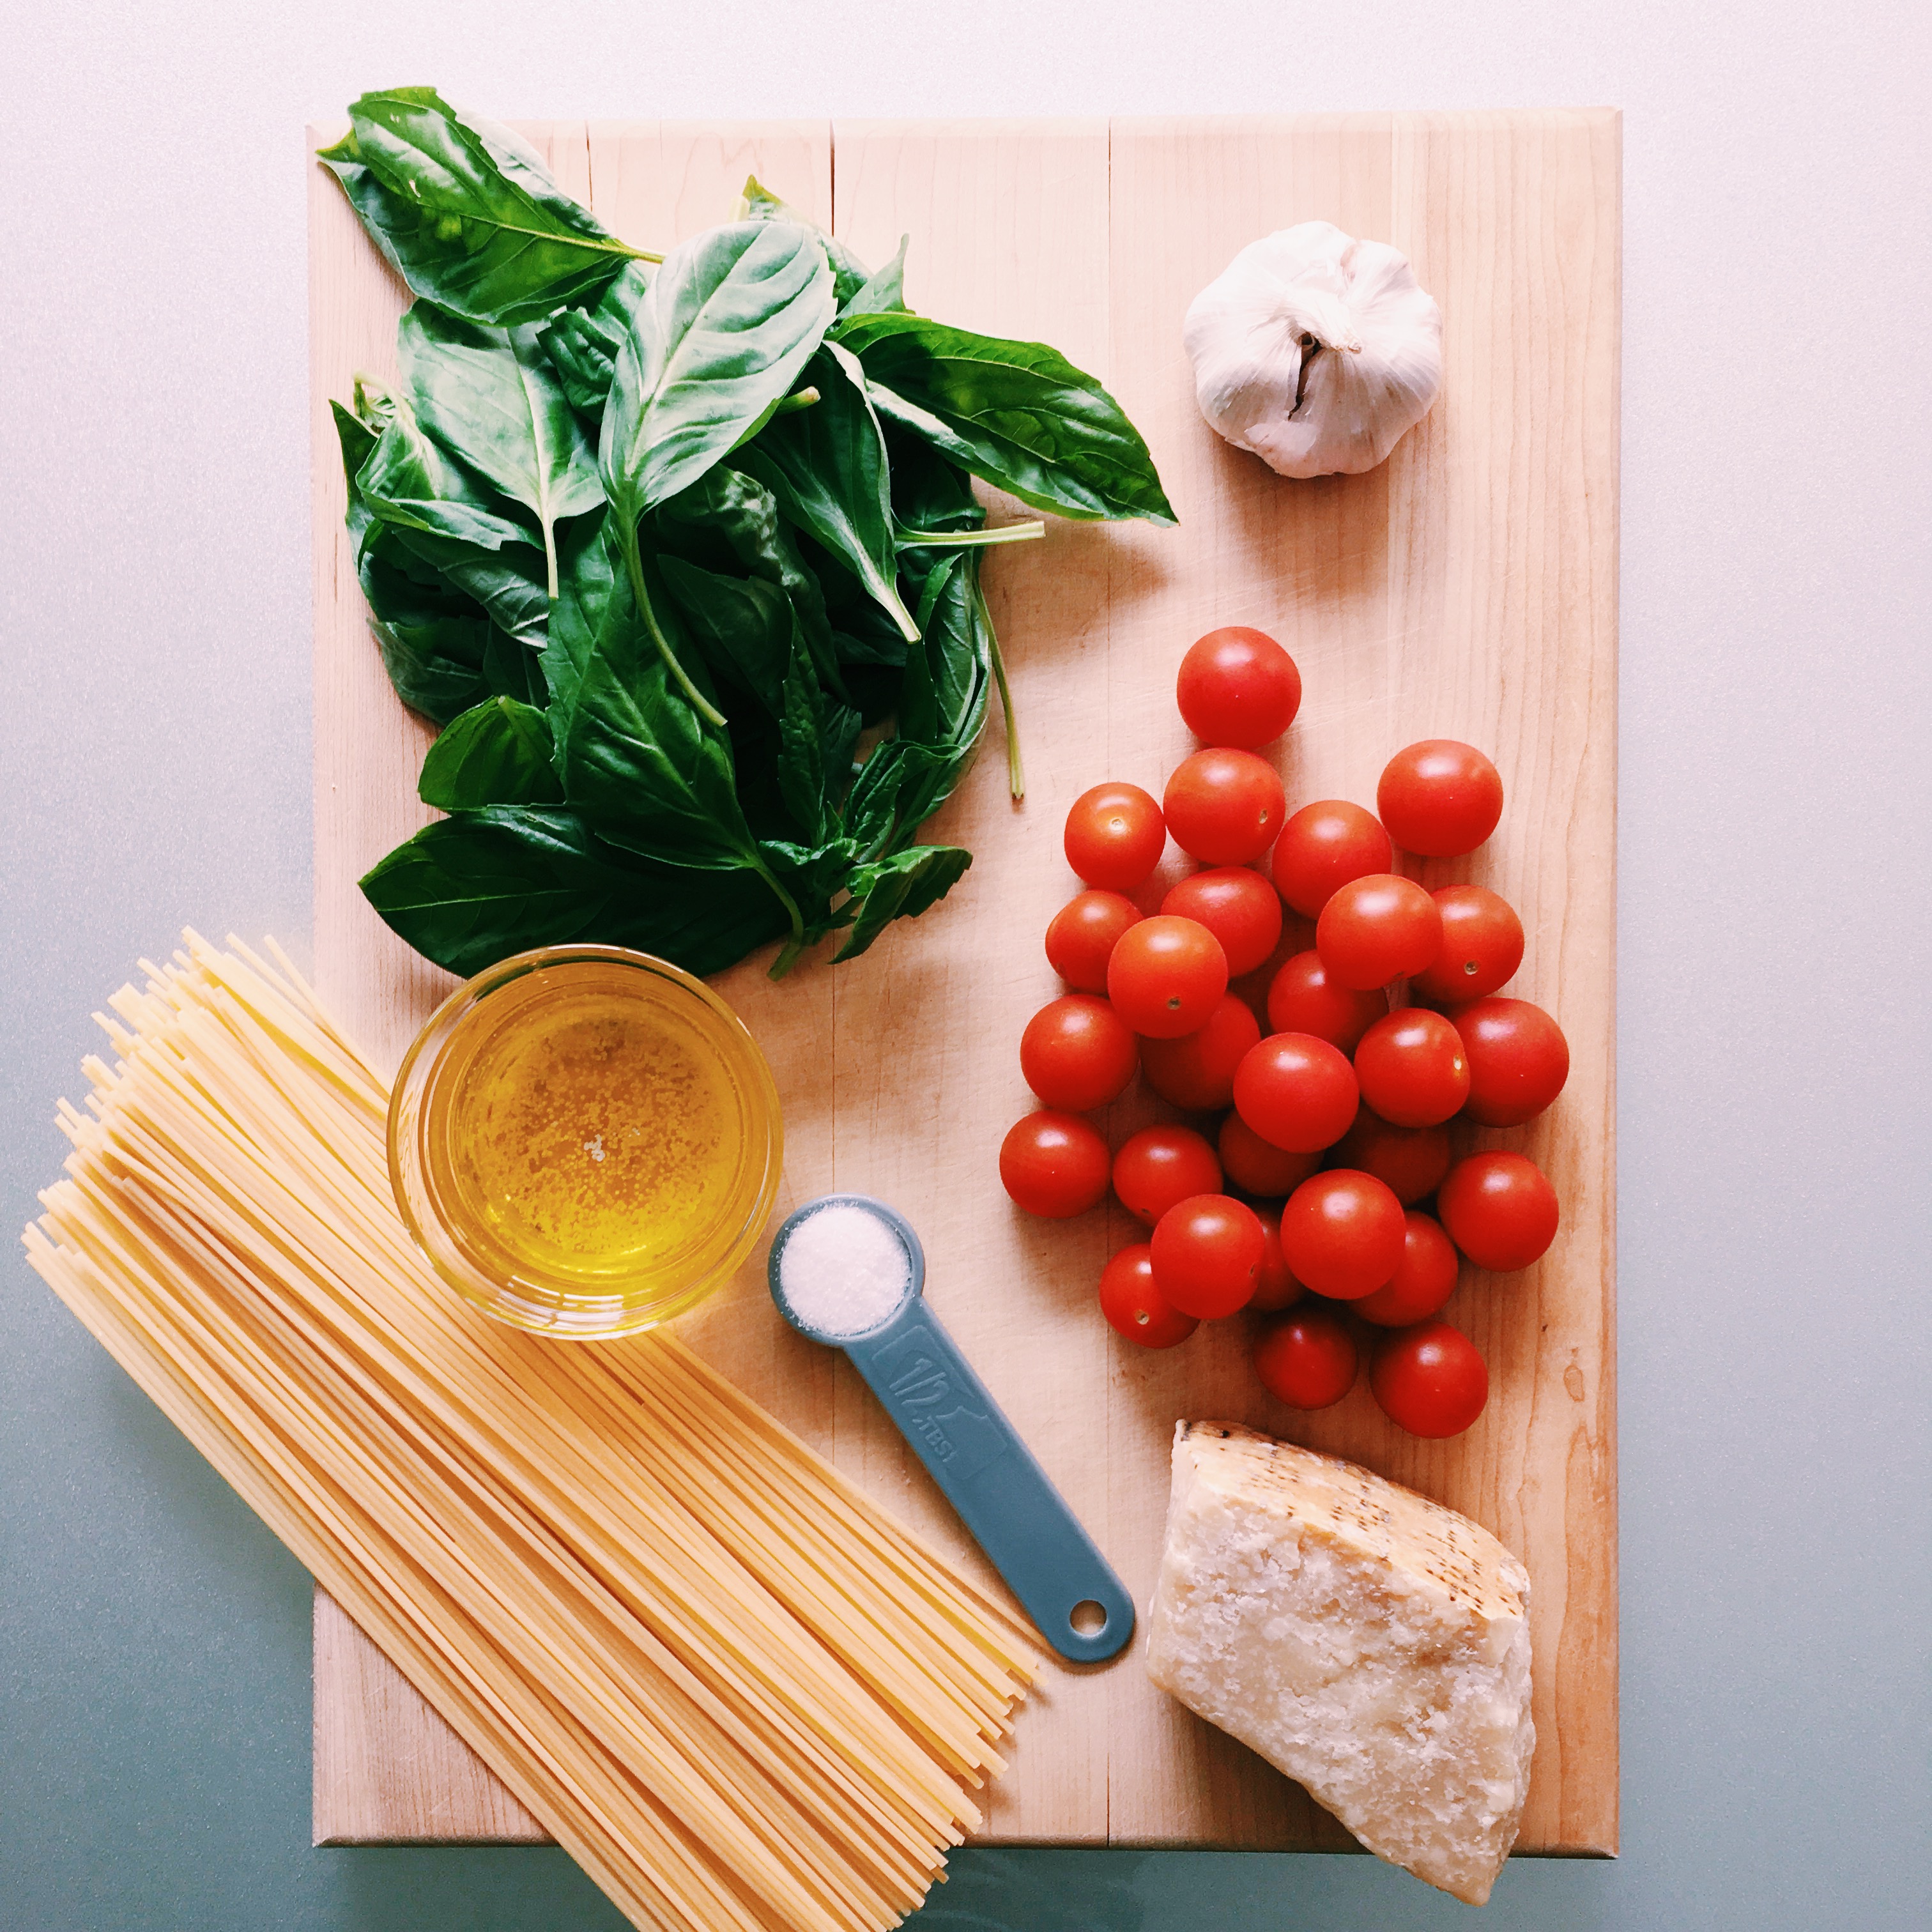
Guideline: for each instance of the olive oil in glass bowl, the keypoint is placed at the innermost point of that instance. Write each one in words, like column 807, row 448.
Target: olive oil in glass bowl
column 585, row 1141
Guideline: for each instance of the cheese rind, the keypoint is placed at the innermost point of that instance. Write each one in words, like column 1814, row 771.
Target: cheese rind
column 1370, row 1643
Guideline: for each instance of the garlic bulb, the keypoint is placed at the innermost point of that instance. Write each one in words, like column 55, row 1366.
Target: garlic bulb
column 1315, row 351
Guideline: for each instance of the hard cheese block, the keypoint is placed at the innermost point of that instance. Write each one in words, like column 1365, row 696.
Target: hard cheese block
column 1372, row 1644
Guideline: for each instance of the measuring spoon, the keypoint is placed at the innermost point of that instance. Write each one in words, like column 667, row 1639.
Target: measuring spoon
column 989, row 1475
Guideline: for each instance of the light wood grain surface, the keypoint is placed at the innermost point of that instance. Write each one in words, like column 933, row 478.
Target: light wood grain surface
column 1466, row 589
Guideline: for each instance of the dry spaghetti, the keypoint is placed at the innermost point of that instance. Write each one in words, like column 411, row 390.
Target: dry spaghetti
column 740, row 1694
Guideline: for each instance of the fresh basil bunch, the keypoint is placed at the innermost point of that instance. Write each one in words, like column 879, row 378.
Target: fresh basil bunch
column 659, row 541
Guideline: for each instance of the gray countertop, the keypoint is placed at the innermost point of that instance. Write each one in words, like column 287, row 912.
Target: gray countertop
column 1776, row 795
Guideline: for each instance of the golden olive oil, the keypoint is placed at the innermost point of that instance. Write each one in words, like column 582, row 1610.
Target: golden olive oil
column 594, row 1126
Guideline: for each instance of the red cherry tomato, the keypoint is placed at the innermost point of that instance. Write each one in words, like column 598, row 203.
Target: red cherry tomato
column 1258, row 1166
column 1378, row 929
column 1302, row 998
column 1440, row 798
column 1323, row 846
column 1224, row 807
column 1342, row 1233
column 1197, row 1071
column 1135, row 1307
column 1482, row 945
column 1238, row 687
column 1054, row 1164
column 1207, row 1253
column 1500, row 1210
column 1410, row 1162
column 1429, row 1379
column 1297, row 1092
column 1166, row 977
column 1276, row 1287
column 1306, row 1359
column 1077, row 1053
column 1238, row 906
column 1080, row 940
column 1160, row 1165
column 1518, row 1060
column 1412, row 1069
column 1115, row 836
column 1423, row 1281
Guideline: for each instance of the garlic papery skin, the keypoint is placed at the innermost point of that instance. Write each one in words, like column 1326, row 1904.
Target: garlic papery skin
column 1316, row 351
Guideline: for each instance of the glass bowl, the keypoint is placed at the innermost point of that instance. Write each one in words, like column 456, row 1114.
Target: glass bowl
column 585, row 1141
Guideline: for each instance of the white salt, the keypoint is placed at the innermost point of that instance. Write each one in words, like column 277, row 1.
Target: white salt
column 843, row 1271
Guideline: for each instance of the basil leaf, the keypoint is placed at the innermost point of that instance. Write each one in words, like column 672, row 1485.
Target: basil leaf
column 508, row 583
column 582, row 344
column 883, row 292
column 902, row 887
column 743, row 626
column 849, row 274
column 582, row 352
column 827, row 467
column 468, row 890
column 929, row 493
column 498, row 753
column 730, row 320
column 466, row 211
column 1017, row 414
column 373, row 404
column 410, row 484
column 727, row 519
column 489, row 397
column 801, row 762
column 512, row 669
column 435, row 667
column 443, row 654
column 654, row 775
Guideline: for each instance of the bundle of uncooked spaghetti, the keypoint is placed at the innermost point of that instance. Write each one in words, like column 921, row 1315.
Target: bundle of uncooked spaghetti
column 736, row 1691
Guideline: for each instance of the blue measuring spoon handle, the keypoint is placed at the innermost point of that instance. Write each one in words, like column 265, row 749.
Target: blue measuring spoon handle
column 990, row 1477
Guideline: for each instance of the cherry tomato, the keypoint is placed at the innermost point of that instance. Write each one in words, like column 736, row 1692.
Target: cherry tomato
column 1297, row 1092
column 1160, row 1165
column 1306, row 1359
column 1302, row 998
column 1323, row 846
column 1259, row 1167
column 1482, row 945
column 1518, row 1060
column 1197, row 1071
column 1378, row 929
column 1342, row 1233
column 1207, row 1253
column 1429, row 1379
column 1500, row 1210
column 1166, row 977
column 1238, row 906
column 1238, row 687
column 1115, row 836
column 1275, row 1288
column 1410, row 1162
column 1224, row 807
column 1135, row 1307
column 1440, row 798
column 1412, row 1069
column 1080, row 940
column 1423, row 1281
column 1077, row 1053
column 1054, row 1164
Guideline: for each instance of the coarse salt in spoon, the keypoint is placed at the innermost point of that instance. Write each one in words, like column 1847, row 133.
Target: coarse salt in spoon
column 848, row 1271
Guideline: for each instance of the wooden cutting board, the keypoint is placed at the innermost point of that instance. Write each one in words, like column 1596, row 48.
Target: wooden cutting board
column 1466, row 589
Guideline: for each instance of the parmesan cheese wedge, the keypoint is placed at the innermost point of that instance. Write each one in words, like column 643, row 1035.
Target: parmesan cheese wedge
column 1372, row 1644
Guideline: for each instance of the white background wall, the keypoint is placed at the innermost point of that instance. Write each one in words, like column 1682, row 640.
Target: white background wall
column 1774, row 1069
